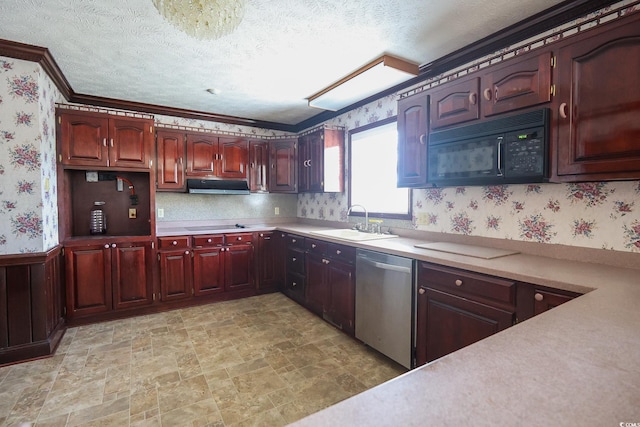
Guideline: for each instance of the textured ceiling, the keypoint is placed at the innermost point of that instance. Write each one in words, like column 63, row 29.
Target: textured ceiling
column 282, row 52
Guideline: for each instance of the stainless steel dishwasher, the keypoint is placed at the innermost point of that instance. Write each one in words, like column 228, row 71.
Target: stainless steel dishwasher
column 384, row 307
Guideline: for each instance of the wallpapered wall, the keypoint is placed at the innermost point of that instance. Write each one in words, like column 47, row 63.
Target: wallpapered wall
column 28, row 199
column 596, row 215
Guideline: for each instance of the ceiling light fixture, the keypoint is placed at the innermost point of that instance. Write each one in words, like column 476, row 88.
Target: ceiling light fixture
column 202, row 19
column 378, row 75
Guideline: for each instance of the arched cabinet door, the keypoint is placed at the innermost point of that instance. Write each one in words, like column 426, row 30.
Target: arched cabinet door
column 413, row 116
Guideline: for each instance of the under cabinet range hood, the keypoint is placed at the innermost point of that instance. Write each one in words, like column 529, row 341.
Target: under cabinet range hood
column 217, row 186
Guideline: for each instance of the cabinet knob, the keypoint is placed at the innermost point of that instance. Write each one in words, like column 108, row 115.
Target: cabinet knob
column 174, row 243
column 113, row 245
column 563, row 110
column 487, row 94
column 104, row 141
column 338, row 251
column 313, row 245
column 473, row 98
column 423, row 138
column 421, row 291
column 538, row 297
column 186, row 252
column 106, row 246
column 458, row 282
column 208, row 240
column 294, row 284
column 293, row 240
column 261, row 234
column 293, row 259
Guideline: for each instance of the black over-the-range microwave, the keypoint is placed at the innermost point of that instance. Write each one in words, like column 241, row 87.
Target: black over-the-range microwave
column 507, row 150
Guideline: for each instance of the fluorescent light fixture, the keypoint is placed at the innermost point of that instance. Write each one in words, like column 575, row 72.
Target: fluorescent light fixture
column 378, row 75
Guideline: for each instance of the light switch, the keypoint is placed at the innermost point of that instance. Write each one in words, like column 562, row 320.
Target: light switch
column 160, row 213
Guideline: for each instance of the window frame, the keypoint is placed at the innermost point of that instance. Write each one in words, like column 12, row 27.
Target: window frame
column 373, row 214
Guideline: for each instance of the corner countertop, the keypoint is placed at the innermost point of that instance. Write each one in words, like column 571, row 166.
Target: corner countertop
column 578, row 364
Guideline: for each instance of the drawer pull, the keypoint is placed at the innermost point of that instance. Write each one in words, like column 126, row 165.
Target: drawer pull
column 338, row 251
column 421, row 291
column 208, row 240
column 106, row 246
column 294, row 284
column 239, row 238
column 113, row 245
column 186, row 252
column 313, row 245
column 538, row 297
column 174, row 243
column 293, row 240
column 458, row 282
column 293, row 259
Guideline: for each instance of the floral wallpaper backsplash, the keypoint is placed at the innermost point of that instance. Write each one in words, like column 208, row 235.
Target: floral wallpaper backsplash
column 28, row 201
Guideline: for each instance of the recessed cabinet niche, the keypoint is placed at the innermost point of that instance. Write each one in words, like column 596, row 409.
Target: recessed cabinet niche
column 82, row 194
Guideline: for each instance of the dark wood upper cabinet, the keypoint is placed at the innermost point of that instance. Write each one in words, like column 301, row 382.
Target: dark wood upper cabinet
column 202, row 154
column 520, row 83
column 98, row 140
column 284, row 167
column 233, row 157
column 599, row 104
column 321, row 161
column 170, row 154
column 454, row 103
column 413, row 117
column 259, row 166
column 212, row 156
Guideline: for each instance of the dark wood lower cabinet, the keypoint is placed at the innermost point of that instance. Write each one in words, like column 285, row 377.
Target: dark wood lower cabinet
column 208, row 268
column 175, row 274
column 107, row 274
column 447, row 323
column 238, row 268
column 534, row 300
column 342, row 302
column 269, row 261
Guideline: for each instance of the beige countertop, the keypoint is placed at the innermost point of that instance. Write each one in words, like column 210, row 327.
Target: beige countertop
column 578, row 364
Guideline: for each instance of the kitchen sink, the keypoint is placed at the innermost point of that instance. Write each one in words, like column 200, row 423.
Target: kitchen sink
column 352, row 235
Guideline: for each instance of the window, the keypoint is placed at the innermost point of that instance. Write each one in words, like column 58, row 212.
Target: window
column 374, row 158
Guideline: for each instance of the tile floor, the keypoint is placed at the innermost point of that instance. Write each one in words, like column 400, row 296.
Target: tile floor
column 257, row 361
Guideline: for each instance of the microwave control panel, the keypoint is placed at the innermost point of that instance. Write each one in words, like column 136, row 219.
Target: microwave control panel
column 525, row 153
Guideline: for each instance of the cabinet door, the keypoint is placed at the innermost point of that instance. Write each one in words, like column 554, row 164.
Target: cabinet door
column 315, row 164
column 259, row 166
column 304, row 157
column 446, row 323
column 343, row 295
column 317, row 290
column 132, row 276
column 598, row 127
column 267, row 258
column 130, row 142
column 88, row 278
column 238, row 267
column 170, row 146
column 234, row 157
column 84, row 139
column 284, row 167
column 175, row 274
column 413, row 116
column 455, row 103
column 208, row 271
column 524, row 83
column 202, row 155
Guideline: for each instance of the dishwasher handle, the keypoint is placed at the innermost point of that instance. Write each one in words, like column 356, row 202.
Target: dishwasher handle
column 386, row 266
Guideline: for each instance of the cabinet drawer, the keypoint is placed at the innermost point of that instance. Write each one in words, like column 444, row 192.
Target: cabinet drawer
column 173, row 242
column 295, row 261
column 208, row 240
column 464, row 283
column 317, row 247
column 238, row 238
column 342, row 253
column 295, row 241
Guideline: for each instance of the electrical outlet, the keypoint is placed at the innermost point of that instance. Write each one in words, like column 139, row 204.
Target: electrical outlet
column 276, row 211
column 422, row 219
column 160, row 213
column 133, row 213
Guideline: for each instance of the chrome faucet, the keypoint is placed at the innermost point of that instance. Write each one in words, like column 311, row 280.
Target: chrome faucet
column 363, row 227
